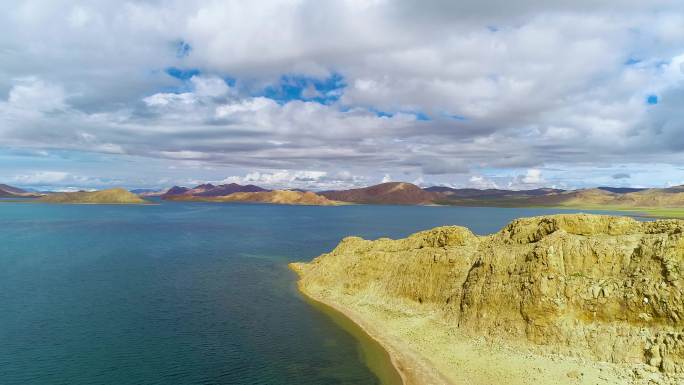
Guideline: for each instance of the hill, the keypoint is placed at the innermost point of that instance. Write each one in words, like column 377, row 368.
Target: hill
column 454, row 193
column 620, row 190
column 282, row 197
column 148, row 192
column 656, row 200
column 400, row 193
column 227, row 189
column 664, row 201
column 210, row 190
column 591, row 288
column 648, row 198
column 7, row 191
column 110, row 196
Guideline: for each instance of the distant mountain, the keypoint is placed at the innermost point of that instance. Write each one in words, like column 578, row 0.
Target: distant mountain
column 148, row 192
column 7, row 191
column 282, row 197
column 210, row 190
column 110, row 196
column 175, row 190
column 400, row 193
column 478, row 193
column 403, row 193
column 139, row 191
column 227, row 189
column 585, row 198
column 674, row 189
column 621, row 190
column 11, row 190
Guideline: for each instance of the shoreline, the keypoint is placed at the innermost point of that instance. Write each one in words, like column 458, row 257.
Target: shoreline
column 391, row 289
column 460, row 359
column 387, row 372
column 412, row 369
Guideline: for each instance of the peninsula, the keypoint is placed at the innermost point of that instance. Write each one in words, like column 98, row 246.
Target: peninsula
column 562, row 299
column 110, row 196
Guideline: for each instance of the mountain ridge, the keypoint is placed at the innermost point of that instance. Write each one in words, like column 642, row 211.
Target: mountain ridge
column 7, row 191
column 402, row 193
column 282, row 197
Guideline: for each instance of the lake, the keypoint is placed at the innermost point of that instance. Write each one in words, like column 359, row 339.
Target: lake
column 187, row 293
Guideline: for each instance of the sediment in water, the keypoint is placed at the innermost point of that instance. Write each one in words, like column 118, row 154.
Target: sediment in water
column 373, row 353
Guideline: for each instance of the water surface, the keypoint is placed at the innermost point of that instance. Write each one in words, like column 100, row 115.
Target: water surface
column 186, row 293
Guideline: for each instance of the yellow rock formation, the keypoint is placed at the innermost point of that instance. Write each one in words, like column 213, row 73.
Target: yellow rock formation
column 586, row 286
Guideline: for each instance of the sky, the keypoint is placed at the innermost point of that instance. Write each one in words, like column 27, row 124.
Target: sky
column 338, row 94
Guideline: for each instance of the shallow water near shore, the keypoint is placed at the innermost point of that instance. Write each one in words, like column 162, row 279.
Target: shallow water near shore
column 189, row 293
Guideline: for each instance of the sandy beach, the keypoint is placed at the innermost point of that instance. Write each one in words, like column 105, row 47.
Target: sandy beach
column 411, row 367
column 427, row 353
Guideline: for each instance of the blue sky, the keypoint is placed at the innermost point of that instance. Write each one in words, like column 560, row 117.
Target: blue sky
column 341, row 94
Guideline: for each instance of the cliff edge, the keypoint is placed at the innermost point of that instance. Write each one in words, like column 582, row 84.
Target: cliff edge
column 596, row 288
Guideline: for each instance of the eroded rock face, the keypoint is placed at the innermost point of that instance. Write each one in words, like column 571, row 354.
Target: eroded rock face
column 609, row 288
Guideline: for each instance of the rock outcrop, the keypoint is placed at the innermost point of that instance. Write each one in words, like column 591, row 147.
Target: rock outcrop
column 599, row 287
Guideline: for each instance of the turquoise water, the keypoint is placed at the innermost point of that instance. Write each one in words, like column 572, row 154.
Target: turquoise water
column 184, row 293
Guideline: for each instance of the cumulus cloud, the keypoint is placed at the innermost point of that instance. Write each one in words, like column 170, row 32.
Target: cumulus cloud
column 438, row 90
column 42, row 177
column 33, row 94
column 533, row 176
column 304, row 179
column 60, row 181
column 482, row 182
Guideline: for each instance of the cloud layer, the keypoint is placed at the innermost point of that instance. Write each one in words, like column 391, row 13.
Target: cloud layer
column 460, row 93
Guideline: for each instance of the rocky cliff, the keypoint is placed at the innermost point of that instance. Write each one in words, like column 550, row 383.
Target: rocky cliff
column 599, row 287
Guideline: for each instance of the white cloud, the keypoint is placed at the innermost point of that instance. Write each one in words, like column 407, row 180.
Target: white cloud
column 533, row 176
column 31, row 93
column 166, row 99
column 481, row 182
column 42, row 177
column 209, row 86
column 280, row 178
column 499, row 91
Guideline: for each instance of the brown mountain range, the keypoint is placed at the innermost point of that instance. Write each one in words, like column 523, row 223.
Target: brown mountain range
column 403, row 193
column 400, row 193
column 210, row 190
column 281, row 197
column 7, row 191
